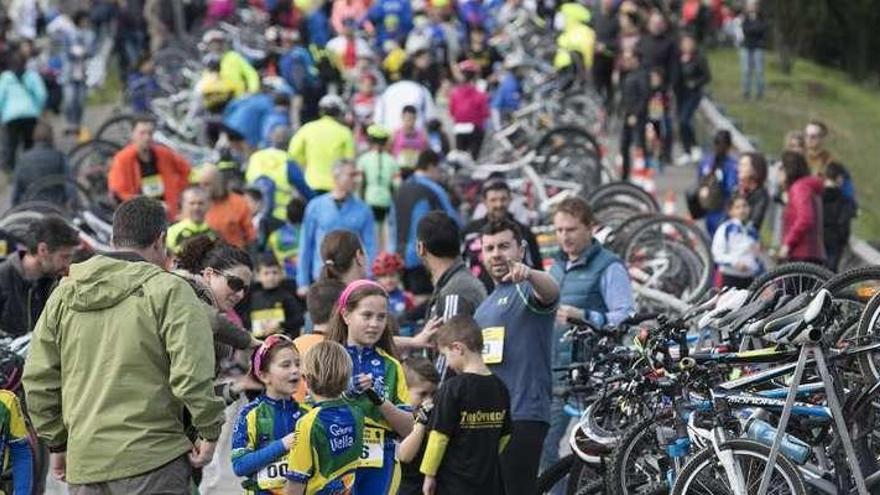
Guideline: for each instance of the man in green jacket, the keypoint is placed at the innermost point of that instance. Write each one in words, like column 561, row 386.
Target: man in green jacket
column 121, row 350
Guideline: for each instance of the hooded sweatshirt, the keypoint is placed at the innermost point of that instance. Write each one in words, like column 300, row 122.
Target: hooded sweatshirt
column 132, row 346
column 802, row 220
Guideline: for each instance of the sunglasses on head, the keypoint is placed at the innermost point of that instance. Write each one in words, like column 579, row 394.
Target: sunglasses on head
column 236, row 284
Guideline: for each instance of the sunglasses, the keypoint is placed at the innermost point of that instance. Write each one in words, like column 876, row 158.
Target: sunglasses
column 270, row 342
column 236, row 284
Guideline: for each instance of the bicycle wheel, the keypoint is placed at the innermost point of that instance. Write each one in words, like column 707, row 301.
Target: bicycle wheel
column 613, row 214
column 116, row 129
column 790, row 278
column 703, row 474
column 90, row 163
column 553, row 476
column 851, row 290
column 39, row 207
column 585, row 479
column 620, row 235
column 49, row 186
column 672, row 256
column 639, row 463
column 625, row 192
column 572, row 154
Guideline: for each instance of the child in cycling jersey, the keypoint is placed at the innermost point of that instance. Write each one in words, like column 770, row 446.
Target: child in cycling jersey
column 16, row 451
column 263, row 432
column 470, row 423
column 423, row 380
column 362, row 324
column 328, row 441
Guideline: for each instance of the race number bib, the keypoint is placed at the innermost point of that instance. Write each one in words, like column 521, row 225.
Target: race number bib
column 264, row 319
column 493, row 345
column 373, row 455
column 152, row 186
column 272, row 476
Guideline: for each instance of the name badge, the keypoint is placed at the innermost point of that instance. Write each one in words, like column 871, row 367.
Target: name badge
column 272, row 476
column 493, row 345
column 373, row 455
column 152, row 186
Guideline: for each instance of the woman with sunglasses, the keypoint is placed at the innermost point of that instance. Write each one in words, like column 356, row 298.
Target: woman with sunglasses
column 220, row 274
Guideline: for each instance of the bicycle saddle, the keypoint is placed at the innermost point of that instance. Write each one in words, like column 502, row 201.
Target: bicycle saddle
column 729, row 301
column 750, row 311
column 785, row 309
column 790, row 328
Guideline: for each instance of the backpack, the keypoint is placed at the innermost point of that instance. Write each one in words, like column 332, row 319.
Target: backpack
column 710, row 194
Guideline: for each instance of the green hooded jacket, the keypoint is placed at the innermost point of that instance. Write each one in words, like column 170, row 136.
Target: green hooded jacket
column 120, row 350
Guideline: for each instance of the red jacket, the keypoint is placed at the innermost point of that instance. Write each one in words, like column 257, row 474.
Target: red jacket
column 124, row 177
column 802, row 220
column 468, row 104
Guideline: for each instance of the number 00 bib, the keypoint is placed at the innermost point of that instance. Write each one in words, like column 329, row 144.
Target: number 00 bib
column 272, row 476
column 493, row 345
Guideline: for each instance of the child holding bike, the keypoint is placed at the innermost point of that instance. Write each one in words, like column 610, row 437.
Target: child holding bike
column 263, row 432
column 362, row 324
column 470, row 424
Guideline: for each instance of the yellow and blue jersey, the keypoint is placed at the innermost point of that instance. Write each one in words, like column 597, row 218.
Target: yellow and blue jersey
column 14, row 444
column 327, row 448
column 258, row 452
column 389, row 381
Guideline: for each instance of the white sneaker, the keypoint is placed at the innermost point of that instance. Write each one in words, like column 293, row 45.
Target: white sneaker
column 683, row 161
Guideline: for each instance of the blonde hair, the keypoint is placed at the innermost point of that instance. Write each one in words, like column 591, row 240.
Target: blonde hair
column 327, row 369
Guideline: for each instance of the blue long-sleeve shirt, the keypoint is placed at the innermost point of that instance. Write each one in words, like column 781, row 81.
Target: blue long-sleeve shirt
column 22, row 467
column 393, row 20
column 507, row 97
column 323, row 214
column 617, row 293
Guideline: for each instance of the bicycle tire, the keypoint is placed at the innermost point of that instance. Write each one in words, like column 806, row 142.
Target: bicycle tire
column 83, row 199
column 626, row 189
column 612, row 214
column 585, row 479
column 867, row 323
column 701, row 247
column 623, row 231
column 774, row 276
column 124, row 121
column 584, row 142
column 622, row 459
column 684, row 484
column 90, row 164
column 554, row 474
column 852, row 290
column 38, row 206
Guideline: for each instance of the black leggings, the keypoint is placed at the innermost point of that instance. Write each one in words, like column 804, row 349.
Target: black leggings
column 18, row 132
column 522, row 457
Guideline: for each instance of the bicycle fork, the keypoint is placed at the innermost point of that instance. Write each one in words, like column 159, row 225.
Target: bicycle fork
column 731, row 468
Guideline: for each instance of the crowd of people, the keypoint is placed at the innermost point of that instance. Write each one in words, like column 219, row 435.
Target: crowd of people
column 365, row 335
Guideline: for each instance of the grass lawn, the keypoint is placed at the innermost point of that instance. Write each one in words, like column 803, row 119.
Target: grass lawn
column 852, row 112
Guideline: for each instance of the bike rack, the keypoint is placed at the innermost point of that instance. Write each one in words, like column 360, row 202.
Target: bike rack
column 818, row 354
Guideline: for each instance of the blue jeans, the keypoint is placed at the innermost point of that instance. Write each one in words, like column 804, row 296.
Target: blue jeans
column 751, row 64
column 688, row 103
column 74, row 102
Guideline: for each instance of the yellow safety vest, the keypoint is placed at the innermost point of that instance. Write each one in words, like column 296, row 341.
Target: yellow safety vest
column 272, row 163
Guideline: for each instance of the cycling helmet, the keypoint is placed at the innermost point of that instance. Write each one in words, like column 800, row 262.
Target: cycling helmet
column 213, row 35
column 387, row 264
column 378, row 133
column 331, row 105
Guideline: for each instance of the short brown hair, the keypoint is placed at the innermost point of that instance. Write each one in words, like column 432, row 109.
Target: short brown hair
column 327, row 369
column 578, row 208
column 463, row 329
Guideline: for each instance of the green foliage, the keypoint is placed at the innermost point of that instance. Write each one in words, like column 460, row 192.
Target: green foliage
column 851, row 110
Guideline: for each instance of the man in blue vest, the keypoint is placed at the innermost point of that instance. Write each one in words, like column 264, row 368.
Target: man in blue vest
column 594, row 286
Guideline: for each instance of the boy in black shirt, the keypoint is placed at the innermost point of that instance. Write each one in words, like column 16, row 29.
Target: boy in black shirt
column 838, row 213
column 274, row 307
column 470, row 424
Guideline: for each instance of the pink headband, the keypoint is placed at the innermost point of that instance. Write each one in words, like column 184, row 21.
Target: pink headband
column 357, row 284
